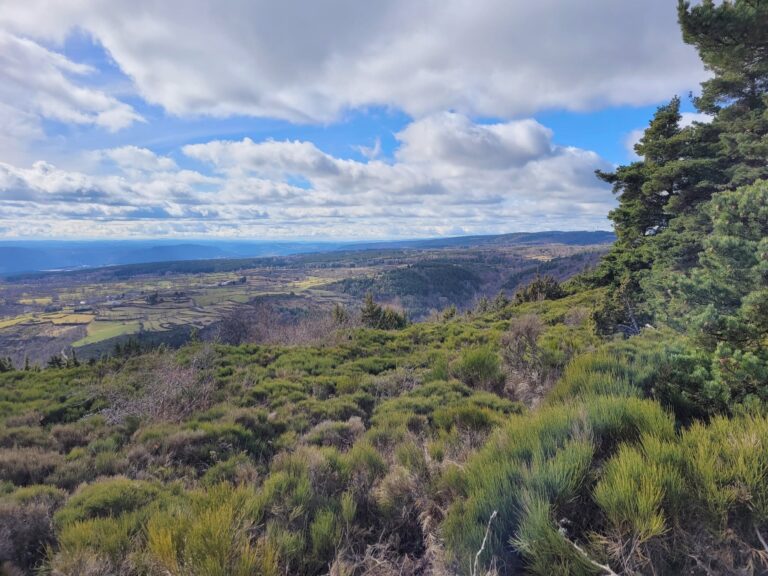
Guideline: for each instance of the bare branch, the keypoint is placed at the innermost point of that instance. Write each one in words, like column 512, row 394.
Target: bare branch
column 762, row 540
column 607, row 569
column 473, row 571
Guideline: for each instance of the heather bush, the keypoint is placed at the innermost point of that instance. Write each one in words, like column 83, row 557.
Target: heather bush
column 25, row 437
column 26, row 527
column 24, row 466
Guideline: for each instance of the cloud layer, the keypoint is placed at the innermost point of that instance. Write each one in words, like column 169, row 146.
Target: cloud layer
column 314, row 62
column 450, row 175
column 311, row 61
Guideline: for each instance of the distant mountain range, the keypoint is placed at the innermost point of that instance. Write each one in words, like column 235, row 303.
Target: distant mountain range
column 34, row 256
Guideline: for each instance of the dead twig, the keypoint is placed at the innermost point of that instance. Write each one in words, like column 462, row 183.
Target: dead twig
column 473, row 571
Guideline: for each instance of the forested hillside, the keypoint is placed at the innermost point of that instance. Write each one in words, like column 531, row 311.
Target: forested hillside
column 614, row 424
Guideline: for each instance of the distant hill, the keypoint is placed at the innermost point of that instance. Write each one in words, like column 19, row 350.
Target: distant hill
column 38, row 256
column 578, row 238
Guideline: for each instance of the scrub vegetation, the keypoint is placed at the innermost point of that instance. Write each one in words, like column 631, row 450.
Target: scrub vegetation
column 612, row 424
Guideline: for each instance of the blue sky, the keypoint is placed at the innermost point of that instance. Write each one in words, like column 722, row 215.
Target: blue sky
column 335, row 119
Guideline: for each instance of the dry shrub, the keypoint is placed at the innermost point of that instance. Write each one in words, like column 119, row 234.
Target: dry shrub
column 340, row 435
column 523, row 359
column 28, row 419
column 577, row 316
column 26, row 529
column 71, row 473
column 70, row 436
column 24, row 437
column 170, row 393
column 233, row 329
column 23, row 466
column 263, row 323
column 396, row 382
column 317, row 328
column 84, row 563
column 380, row 560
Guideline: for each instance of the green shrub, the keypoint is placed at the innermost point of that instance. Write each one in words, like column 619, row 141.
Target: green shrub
column 109, row 497
column 36, row 494
column 237, row 470
column 105, row 541
column 325, row 533
column 727, row 462
column 480, row 368
column 544, row 544
column 630, row 494
column 466, row 417
column 206, row 535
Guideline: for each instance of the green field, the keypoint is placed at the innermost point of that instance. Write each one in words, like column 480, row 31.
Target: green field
column 99, row 331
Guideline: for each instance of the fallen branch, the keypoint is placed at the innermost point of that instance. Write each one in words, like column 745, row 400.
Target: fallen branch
column 473, row 571
column 762, row 540
column 701, row 565
column 580, row 550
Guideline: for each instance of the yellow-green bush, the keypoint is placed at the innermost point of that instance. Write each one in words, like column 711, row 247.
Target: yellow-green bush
column 206, row 534
column 107, row 498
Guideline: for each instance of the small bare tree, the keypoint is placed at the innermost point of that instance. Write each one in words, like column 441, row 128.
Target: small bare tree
column 171, row 392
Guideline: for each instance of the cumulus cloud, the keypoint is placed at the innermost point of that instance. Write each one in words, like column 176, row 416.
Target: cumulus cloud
column 135, row 158
column 453, row 140
column 37, row 83
column 311, row 61
column 449, row 173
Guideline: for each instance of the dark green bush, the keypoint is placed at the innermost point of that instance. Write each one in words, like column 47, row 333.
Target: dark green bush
column 480, row 368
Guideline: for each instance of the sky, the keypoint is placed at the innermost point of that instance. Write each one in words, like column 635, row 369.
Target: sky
column 332, row 119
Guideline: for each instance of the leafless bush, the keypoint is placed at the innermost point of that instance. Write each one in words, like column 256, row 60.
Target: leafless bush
column 316, row 328
column 338, row 434
column 25, row 531
column 465, row 444
column 264, row 323
column 80, row 433
column 380, row 560
column 396, row 382
column 71, row 473
column 576, row 316
column 523, row 359
column 233, row 329
column 171, row 392
column 84, row 563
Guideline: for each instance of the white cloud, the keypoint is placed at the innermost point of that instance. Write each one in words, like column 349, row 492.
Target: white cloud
column 631, row 140
column 135, row 158
column 689, row 118
column 37, row 83
column 449, row 173
column 453, row 140
column 311, row 61
column 370, row 152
